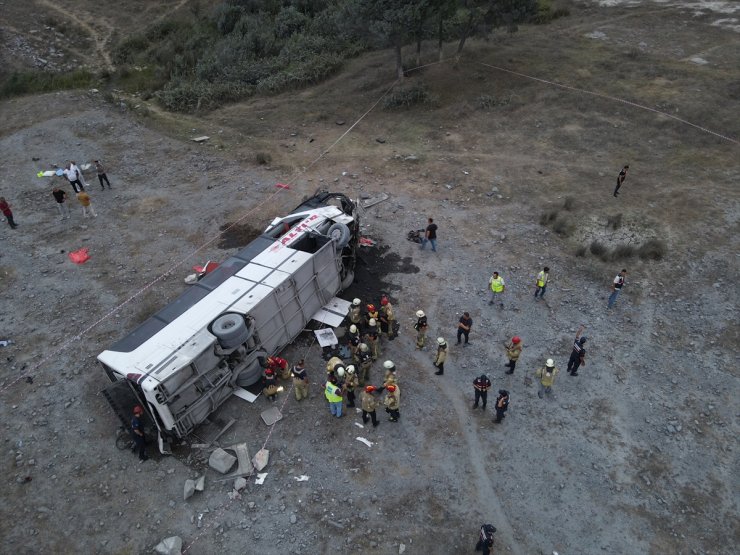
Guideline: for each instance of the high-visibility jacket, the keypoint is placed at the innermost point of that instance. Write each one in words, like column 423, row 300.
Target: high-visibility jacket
column 331, row 392
column 497, row 284
column 542, row 278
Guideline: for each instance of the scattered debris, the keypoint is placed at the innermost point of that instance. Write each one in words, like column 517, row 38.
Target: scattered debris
column 221, row 461
column 240, row 483
column 375, row 200
column 271, row 415
column 401, row 548
column 380, row 140
column 201, row 139
column 242, row 456
column 79, row 256
column 282, row 185
column 188, row 490
column 200, row 483
column 261, row 459
column 6, row 342
column 365, row 441
column 244, row 394
column 301, row 478
column 340, row 122
column 170, row 546
column 359, row 425
column 261, row 478
column 365, row 242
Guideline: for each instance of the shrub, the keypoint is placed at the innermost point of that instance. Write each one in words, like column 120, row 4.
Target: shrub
column 405, row 97
column 546, row 12
column 190, row 96
column 569, row 203
column 654, row 249
column 262, row 158
column 548, row 217
column 580, row 252
column 622, row 252
column 29, row 82
column 614, row 222
column 597, row 249
column 563, row 227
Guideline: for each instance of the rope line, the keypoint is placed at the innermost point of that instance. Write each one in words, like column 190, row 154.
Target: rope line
column 614, row 98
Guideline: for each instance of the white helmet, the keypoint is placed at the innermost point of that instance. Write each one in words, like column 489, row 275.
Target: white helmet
column 372, row 322
column 356, row 302
column 420, row 314
column 550, row 363
column 340, row 372
column 350, row 369
column 388, row 365
column 441, row 340
column 353, row 329
column 363, row 347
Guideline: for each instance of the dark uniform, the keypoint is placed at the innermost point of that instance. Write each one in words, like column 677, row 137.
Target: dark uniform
column 577, row 357
column 502, row 405
column 137, row 431
column 485, row 539
column 481, row 385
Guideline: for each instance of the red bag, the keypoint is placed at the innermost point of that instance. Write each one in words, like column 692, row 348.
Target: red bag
column 79, row 256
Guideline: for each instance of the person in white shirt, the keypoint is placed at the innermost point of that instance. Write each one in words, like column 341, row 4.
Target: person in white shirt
column 616, row 287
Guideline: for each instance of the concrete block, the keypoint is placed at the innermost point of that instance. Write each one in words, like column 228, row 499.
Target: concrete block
column 170, row 546
column 260, row 459
column 221, row 461
column 200, row 483
column 189, row 489
column 240, row 484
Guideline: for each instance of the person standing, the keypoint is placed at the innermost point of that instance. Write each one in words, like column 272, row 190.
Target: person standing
column 350, row 383
column 73, row 166
column 430, row 236
column 354, row 342
column 355, row 312
column 369, row 404
column 333, row 394
column 421, row 327
column 542, row 278
column 513, row 350
column 390, row 378
column 463, row 327
column 86, row 203
column 269, row 384
column 439, row 360
column 481, row 385
column 102, row 176
column 73, row 177
column 372, row 338
column 485, row 539
column 393, row 402
column 300, row 380
column 620, row 179
column 387, row 318
column 578, row 355
column 617, row 285
column 497, row 286
column 137, row 432
column 546, row 376
column 371, row 313
column 366, row 361
column 502, row 405
column 60, row 196
column 7, row 212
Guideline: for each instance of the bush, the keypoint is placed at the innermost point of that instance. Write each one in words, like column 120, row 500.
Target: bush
column 569, row 203
column 563, row 227
column 614, row 222
column 190, row 96
column 406, row 97
column 262, row 158
column 546, row 12
column 597, row 249
column 580, row 252
column 548, row 217
column 622, row 252
column 654, row 249
column 29, row 82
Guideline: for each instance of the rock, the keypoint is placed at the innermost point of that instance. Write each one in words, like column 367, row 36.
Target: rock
column 293, row 519
column 401, row 548
column 380, row 140
column 260, row 459
column 170, row 546
column 189, row 489
column 240, row 484
column 221, row 461
column 645, row 479
column 200, row 483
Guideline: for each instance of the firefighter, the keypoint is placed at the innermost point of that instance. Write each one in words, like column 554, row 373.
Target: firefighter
column 387, row 319
column 369, row 404
column 421, row 329
column 546, row 376
column 269, row 384
column 393, row 402
column 350, row 383
column 300, row 381
column 481, row 386
column 513, row 350
column 372, row 338
column 355, row 312
column 439, row 360
column 371, row 313
column 366, row 361
column 354, row 341
column 391, row 378
column 279, row 366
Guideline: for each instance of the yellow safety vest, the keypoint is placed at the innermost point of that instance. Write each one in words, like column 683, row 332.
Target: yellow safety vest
column 541, row 279
column 331, row 393
column 497, row 285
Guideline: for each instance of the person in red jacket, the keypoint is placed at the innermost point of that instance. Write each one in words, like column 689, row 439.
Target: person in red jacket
column 7, row 212
column 279, row 366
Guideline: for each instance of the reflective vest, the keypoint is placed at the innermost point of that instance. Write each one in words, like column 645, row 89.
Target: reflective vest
column 497, row 284
column 331, row 393
column 541, row 279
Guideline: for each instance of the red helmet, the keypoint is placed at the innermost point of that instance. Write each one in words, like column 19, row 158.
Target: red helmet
column 269, row 372
column 371, row 308
column 138, row 409
column 370, row 388
column 391, row 388
column 516, row 339
column 384, row 301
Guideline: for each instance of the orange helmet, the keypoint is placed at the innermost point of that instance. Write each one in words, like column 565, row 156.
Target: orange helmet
column 516, row 339
column 138, row 409
column 391, row 388
column 370, row 388
column 371, row 308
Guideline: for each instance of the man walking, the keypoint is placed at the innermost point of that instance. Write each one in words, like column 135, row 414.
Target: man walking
column 542, row 278
column 546, row 376
column 300, row 381
column 430, row 236
column 502, row 405
column 60, row 196
column 620, row 179
column 513, row 350
column 463, row 327
column 86, row 203
column 102, row 176
column 439, row 360
column 369, row 404
column 333, row 394
column 578, row 355
column 617, row 285
column 137, row 432
column 496, row 285
column 7, row 212
column 421, row 326
column 481, row 385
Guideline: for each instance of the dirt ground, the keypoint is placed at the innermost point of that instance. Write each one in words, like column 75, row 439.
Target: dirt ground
column 635, row 455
